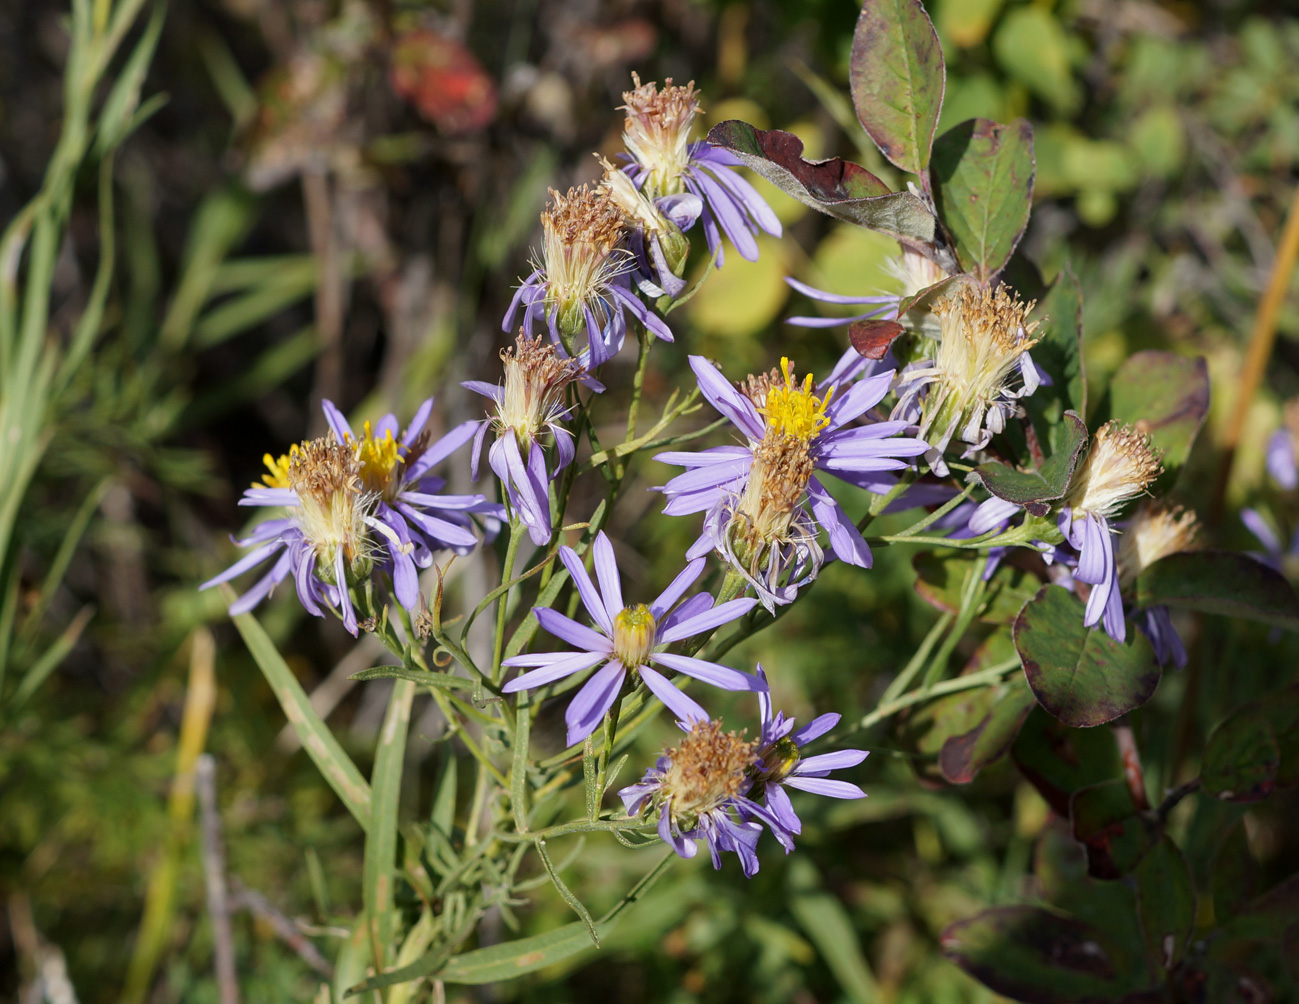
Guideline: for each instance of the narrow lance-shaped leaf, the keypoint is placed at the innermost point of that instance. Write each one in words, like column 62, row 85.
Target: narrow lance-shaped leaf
column 836, row 187
column 897, row 76
column 983, row 188
column 316, row 738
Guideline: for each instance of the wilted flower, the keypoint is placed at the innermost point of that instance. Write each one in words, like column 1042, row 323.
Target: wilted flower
column 781, row 763
column 353, row 503
column 698, row 789
column 755, row 495
column 529, row 404
column 1155, row 531
column 980, row 370
column 581, row 285
column 1120, row 465
column 914, row 271
column 626, row 640
column 655, row 231
column 665, row 163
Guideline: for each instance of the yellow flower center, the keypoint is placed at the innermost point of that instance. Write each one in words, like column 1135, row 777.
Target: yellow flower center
column 779, row 760
column 633, row 635
column 792, row 409
column 379, row 459
column 279, row 469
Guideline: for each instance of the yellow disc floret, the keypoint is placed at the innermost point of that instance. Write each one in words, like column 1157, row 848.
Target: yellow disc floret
column 279, row 469
column 633, row 635
column 378, row 459
column 792, row 409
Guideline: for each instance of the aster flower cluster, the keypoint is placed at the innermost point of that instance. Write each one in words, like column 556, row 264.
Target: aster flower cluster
column 354, row 505
column 721, row 789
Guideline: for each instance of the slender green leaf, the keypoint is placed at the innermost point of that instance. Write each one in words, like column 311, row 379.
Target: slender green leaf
column 378, row 872
column 828, row 926
column 316, row 738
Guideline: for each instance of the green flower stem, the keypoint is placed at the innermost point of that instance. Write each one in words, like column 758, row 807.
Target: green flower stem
column 918, row 660
column 972, row 591
column 610, row 732
column 576, row 826
column 891, row 708
column 638, row 381
column 502, row 604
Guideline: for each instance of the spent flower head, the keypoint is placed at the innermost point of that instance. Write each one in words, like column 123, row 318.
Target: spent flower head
column 697, row 788
column 530, row 407
column 665, row 165
column 980, row 369
column 1155, row 531
column 581, row 287
column 1121, row 464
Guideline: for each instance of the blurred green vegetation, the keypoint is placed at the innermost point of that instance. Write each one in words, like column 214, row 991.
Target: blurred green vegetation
column 287, row 228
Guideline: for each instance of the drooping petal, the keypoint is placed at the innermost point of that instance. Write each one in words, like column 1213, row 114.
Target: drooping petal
column 593, row 701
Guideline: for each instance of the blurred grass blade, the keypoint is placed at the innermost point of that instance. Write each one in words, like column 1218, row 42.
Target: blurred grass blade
column 381, row 838
column 220, row 223
column 155, row 925
column 117, row 115
column 827, row 924
column 54, row 655
column 320, row 744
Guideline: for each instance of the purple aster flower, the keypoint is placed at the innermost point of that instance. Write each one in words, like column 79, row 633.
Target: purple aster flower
column 698, row 789
column 1155, row 531
column 1281, row 449
column 353, row 504
column 529, row 405
column 1121, row 464
column 781, row 763
column 582, row 286
column 755, row 495
column 980, row 370
column 1274, row 549
column 629, row 640
column 664, row 163
column 914, row 271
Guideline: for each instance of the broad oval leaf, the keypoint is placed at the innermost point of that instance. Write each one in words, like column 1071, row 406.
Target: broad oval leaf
column 963, row 756
column 1109, row 825
column 1036, row 490
column 1220, row 582
column 983, row 188
column 1059, row 761
column 839, row 188
column 1081, row 675
column 1029, row 953
column 1255, row 750
column 1166, row 902
column 896, row 76
column 1165, row 395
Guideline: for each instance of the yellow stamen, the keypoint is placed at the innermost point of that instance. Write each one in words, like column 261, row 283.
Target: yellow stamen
column 794, row 410
column 378, row 459
column 279, row 469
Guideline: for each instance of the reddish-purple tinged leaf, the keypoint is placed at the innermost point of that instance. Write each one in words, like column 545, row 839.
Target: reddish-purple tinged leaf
column 896, row 76
column 836, row 187
column 873, row 338
column 1079, row 674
